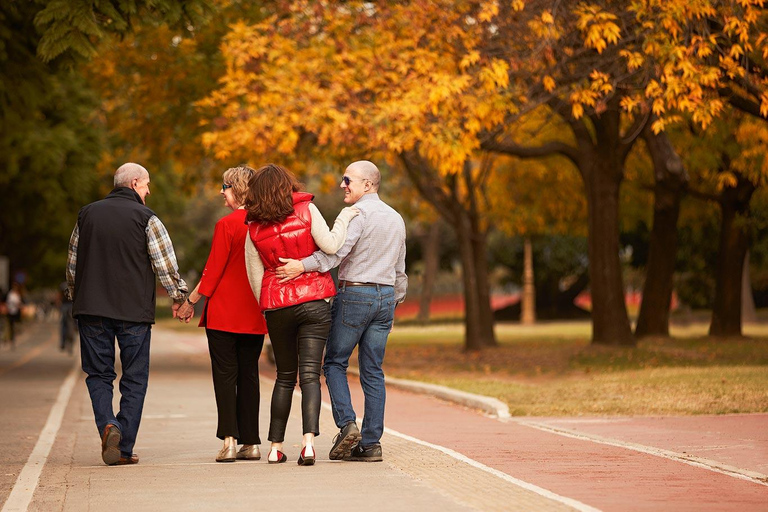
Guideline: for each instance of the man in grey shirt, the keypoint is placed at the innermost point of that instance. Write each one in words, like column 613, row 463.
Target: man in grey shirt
column 372, row 281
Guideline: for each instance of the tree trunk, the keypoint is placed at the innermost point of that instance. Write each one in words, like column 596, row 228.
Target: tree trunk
column 671, row 182
column 461, row 212
column 485, row 311
column 528, row 301
column 431, row 253
column 748, row 313
column 602, row 176
column 734, row 242
column 610, row 322
column 475, row 333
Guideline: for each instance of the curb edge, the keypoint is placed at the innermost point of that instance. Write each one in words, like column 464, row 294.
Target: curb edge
column 490, row 406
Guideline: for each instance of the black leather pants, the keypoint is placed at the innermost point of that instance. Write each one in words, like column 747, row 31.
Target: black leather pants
column 298, row 335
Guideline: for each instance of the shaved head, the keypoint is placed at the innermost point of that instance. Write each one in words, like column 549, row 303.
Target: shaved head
column 126, row 173
column 366, row 170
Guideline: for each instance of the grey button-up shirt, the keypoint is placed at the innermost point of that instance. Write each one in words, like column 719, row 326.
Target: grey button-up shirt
column 374, row 251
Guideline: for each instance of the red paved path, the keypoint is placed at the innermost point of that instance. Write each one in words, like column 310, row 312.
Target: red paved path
column 739, row 440
column 606, row 477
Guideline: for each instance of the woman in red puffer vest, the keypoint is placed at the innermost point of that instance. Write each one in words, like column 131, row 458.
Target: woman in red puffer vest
column 283, row 223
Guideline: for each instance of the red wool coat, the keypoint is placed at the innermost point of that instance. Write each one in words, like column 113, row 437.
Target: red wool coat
column 231, row 305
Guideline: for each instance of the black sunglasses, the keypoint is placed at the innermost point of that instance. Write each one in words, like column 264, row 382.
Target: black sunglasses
column 346, row 180
column 224, row 186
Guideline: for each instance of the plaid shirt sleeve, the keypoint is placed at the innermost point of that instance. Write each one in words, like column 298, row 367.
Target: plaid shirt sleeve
column 72, row 261
column 163, row 258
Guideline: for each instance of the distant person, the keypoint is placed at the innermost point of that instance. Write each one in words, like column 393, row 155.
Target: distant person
column 67, row 321
column 372, row 281
column 117, row 248
column 3, row 316
column 234, row 325
column 13, row 303
column 282, row 221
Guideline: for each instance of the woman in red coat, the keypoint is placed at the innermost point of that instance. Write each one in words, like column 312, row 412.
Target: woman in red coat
column 234, row 325
column 283, row 223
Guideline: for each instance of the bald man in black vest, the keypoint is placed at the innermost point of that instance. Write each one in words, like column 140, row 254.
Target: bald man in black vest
column 117, row 248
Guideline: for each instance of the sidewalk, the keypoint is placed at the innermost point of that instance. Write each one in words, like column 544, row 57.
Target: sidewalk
column 177, row 447
column 438, row 456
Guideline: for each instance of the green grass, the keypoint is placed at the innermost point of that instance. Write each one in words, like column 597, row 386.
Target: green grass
column 553, row 369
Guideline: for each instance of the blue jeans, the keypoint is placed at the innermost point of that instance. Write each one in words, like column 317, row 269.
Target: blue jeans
column 360, row 316
column 97, row 349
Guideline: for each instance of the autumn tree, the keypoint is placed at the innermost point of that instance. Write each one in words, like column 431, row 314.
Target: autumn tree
column 667, row 59
column 731, row 169
column 582, row 62
column 362, row 78
column 710, row 54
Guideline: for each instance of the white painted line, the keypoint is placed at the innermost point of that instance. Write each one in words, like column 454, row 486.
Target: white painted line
column 520, row 483
column 495, row 472
column 26, row 483
column 699, row 462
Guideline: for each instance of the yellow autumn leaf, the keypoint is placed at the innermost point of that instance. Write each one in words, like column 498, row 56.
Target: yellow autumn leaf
column 577, row 110
column 549, row 83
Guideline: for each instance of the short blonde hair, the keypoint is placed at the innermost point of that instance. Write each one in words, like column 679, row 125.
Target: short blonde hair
column 238, row 177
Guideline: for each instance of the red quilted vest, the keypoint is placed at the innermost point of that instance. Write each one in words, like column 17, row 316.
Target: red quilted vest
column 290, row 239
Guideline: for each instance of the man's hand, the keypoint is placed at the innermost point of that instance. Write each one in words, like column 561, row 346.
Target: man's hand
column 175, row 310
column 291, row 270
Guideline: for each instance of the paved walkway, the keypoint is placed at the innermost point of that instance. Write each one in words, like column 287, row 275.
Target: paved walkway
column 438, row 456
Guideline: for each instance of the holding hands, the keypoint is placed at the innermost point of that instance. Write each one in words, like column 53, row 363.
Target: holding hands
column 185, row 312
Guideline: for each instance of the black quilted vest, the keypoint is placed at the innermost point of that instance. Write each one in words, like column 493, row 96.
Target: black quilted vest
column 114, row 276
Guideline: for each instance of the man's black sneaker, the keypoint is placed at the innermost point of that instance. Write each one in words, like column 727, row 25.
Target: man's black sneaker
column 365, row 454
column 344, row 441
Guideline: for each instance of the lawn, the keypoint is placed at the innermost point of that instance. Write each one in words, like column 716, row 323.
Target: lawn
column 552, row 369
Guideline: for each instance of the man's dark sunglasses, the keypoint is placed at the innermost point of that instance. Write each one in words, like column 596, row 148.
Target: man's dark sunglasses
column 347, row 181
column 224, row 186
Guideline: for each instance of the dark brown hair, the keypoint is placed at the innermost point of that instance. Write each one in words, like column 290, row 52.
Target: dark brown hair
column 270, row 194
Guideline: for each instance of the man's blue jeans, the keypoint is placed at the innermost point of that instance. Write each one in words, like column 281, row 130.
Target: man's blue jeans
column 360, row 316
column 97, row 349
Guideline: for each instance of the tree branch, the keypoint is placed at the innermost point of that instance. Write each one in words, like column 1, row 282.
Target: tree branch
column 509, row 147
column 746, row 105
column 419, row 172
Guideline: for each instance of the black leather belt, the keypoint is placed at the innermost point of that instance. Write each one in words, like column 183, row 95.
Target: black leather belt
column 354, row 283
